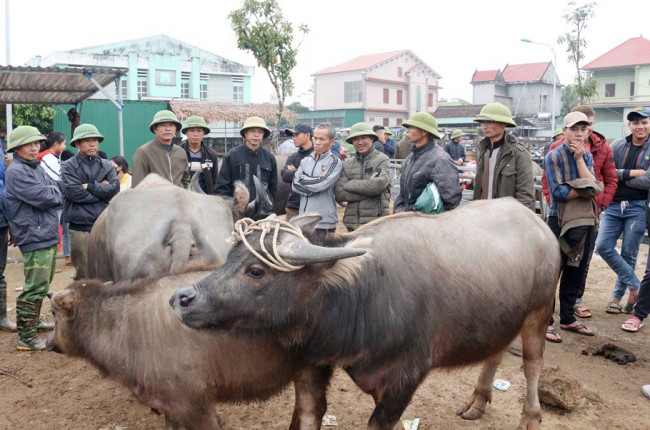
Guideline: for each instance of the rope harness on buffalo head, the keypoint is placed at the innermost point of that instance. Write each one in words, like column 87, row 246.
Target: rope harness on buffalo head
column 246, row 226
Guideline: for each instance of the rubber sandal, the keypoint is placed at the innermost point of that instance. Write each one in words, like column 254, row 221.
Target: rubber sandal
column 58, row 270
column 550, row 331
column 613, row 308
column 628, row 309
column 632, row 325
column 578, row 328
column 581, row 311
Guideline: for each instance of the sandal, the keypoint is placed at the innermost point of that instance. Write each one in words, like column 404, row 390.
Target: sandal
column 552, row 335
column 58, row 271
column 579, row 328
column 613, row 308
column 632, row 325
column 581, row 311
column 628, row 309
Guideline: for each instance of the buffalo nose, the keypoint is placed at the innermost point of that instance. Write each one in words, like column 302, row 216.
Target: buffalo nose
column 185, row 296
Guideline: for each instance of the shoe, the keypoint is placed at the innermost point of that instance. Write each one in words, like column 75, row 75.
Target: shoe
column 35, row 344
column 41, row 324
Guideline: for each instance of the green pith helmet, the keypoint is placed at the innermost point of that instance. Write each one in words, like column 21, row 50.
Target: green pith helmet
column 22, row 136
column 255, row 122
column 195, row 122
column 361, row 129
column 85, row 131
column 457, row 133
column 387, row 131
column 423, row 121
column 558, row 132
column 165, row 116
column 496, row 112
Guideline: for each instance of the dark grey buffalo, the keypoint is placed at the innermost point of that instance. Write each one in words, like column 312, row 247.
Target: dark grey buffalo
column 396, row 298
column 128, row 331
column 158, row 227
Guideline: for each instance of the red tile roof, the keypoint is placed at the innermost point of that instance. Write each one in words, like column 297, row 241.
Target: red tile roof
column 631, row 52
column 525, row 72
column 484, row 76
column 360, row 63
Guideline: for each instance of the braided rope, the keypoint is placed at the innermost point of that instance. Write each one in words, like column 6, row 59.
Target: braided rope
column 246, row 226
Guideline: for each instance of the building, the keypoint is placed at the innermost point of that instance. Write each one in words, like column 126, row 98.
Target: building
column 527, row 89
column 382, row 89
column 623, row 76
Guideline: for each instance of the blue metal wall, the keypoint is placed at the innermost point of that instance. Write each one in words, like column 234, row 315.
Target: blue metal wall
column 103, row 114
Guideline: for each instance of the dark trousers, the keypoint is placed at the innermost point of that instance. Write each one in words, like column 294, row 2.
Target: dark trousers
column 572, row 281
column 4, row 236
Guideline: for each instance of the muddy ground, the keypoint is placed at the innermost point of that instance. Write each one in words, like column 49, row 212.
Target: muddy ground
column 44, row 390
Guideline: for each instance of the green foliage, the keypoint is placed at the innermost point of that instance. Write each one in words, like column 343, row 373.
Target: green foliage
column 569, row 99
column 576, row 19
column 298, row 107
column 262, row 30
column 39, row 116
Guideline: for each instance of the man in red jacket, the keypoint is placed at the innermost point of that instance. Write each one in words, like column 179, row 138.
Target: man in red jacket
column 605, row 171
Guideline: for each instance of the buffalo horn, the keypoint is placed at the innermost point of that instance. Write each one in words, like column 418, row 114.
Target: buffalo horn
column 262, row 200
column 297, row 251
column 194, row 184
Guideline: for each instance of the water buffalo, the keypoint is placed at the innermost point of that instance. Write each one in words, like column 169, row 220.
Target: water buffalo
column 396, row 298
column 157, row 227
column 128, row 331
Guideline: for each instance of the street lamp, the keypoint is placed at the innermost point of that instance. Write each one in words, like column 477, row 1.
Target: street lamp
column 553, row 101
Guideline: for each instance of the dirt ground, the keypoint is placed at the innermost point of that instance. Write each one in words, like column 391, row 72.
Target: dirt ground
column 44, row 390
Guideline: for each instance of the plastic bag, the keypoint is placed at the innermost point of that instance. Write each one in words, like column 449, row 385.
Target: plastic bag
column 429, row 201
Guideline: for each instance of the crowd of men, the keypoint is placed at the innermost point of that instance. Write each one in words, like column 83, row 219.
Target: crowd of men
column 595, row 192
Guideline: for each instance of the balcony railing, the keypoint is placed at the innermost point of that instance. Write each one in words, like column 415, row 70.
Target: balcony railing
column 644, row 99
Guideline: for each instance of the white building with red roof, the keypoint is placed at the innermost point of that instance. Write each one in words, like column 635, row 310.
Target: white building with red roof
column 381, row 89
column 623, row 75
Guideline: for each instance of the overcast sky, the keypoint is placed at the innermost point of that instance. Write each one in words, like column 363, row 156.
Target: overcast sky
column 453, row 37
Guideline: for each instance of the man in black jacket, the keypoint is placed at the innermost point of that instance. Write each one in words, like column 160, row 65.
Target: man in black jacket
column 201, row 158
column 302, row 137
column 89, row 182
column 250, row 159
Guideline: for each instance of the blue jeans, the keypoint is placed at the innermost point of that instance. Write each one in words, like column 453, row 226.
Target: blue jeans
column 627, row 218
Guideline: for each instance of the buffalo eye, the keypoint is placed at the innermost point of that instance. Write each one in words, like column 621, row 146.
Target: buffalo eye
column 255, row 272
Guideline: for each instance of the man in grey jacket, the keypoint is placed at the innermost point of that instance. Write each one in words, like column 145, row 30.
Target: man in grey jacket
column 316, row 179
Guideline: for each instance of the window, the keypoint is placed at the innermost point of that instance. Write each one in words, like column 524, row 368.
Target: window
column 185, row 90
column 399, row 97
column 142, row 89
column 237, row 94
column 631, row 88
column 544, row 103
column 430, row 100
column 123, row 88
column 352, row 92
column 610, row 90
column 166, row 77
column 399, row 72
column 399, row 121
column 203, row 91
column 386, row 121
column 386, row 95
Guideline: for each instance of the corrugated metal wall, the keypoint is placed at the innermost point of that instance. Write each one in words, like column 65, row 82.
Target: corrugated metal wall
column 137, row 116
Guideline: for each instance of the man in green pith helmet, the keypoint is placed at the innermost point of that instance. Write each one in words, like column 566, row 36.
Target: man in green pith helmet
column 160, row 155
column 202, row 159
column 89, row 183
column 455, row 148
column 31, row 202
column 504, row 167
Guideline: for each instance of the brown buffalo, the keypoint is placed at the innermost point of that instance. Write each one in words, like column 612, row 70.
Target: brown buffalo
column 128, row 331
column 396, row 298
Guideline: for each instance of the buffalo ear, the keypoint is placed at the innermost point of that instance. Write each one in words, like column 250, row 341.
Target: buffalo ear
column 63, row 303
column 306, row 223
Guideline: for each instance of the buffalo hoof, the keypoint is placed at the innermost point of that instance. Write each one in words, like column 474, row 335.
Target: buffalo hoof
column 529, row 424
column 470, row 412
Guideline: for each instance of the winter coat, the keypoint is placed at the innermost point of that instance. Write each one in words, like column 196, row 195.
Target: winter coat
column 424, row 165
column 82, row 207
column 620, row 148
column 455, row 150
column 387, row 148
column 604, row 168
column 293, row 201
column 3, row 192
column 31, row 202
column 513, row 172
column 315, row 181
column 403, row 150
column 241, row 164
column 367, row 199
column 169, row 161
column 209, row 167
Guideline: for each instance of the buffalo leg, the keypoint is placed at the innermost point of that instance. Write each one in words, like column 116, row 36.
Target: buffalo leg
column 310, row 384
column 533, row 339
column 391, row 401
column 482, row 395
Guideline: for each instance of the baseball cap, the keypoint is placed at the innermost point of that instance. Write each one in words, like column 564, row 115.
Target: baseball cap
column 643, row 112
column 303, row 128
column 574, row 118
